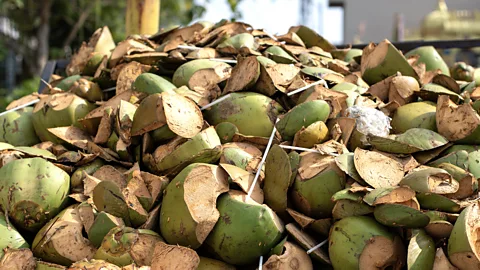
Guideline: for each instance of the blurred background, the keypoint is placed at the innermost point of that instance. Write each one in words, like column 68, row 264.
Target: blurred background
column 33, row 31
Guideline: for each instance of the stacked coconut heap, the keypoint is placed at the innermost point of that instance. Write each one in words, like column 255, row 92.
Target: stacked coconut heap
column 222, row 146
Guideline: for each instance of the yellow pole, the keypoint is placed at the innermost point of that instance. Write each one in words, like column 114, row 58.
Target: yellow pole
column 142, row 17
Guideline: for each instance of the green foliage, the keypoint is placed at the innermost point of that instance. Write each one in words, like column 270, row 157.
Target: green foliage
column 25, row 88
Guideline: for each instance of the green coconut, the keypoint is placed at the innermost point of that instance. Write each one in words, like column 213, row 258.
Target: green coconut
column 411, row 141
column 11, row 238
column 189, row 212
column 421, row 251
column 124, row 245
column 174, row 257
column 311, row 38
column 430, row 180
column 307, row 242
column 32, row 191
column 397, row 215
column 185, row 73
column 347, row 208
column 236, row 43
column 66, row 83
column 315, row 185
column 225, row 131
column 438, row 202
column 240, row 108
column 313, row 134
column 463, row 249
column 302, row 115
column 203, row 147
column 431, row 92
column 277, row 179
column 59, row 110
column 382, row 61
column 243, row 155
column 17, row 128
column 279, row 55
column 41, row 265
column 76, row 181
column 151, row 84
column 245, row 230
column 87, row 89
column 429, row 56
column 414, row 115
column 61, row 241
column 362, row 243
column 102, row 224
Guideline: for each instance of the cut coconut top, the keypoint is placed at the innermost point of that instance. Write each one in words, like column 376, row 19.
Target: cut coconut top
column 56, row 102
column 244, row 180
column 389, row 195
column 183, row 116
column 430, row 180
column 381, row 252
column 312, row 164
column 378, row 169
column 454, row 121
column 72, row 135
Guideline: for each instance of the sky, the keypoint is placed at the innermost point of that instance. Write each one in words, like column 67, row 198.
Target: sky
column 276, row 16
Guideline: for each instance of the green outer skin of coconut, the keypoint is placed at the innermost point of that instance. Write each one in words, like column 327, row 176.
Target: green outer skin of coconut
column 244, row 231
column 349, row 236
column 415, row 115
column 151, row 84
column 473, row 138
column 302, row 115
column 277, row 179
column 351, row 54
column 431, row 58
column 39, row 188
column 177, row 226
column 66, row 83
column 318, row 72
column 348, row 208
column 350, row 90
column 240, row 108
column 92, row 64
column 162, row 134
column 90, row 169
column 206, row 140
column 17, row 128
column 124, row 242
column 346, row 163
column 418, row 180
column 458, row 241
column 237, row 157
column 238, row 41
column 393, row 62
column 281, row 54
column 397, row 215
column 438, row 202
column 225, row 131
column 183, row 74
column 459, row 158
column 103, row 223
column 264, row 61
column 69, row 116
column 212, row 264
column 421, row 251
column 313, row 196
column 474, row 163
column 431, row 92
column 10, row 237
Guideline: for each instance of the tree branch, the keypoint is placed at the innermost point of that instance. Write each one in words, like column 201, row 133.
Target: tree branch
column 81, row 20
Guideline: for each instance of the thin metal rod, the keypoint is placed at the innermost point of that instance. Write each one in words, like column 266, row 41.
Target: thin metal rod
column 20, row 107
column 215, row 102
column 317, row 246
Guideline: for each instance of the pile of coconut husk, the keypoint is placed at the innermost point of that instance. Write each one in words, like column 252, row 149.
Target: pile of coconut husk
column 221, row 146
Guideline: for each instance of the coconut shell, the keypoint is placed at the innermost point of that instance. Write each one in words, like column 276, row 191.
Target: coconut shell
column 248, row 229
column 346, row 208
column 463, row 251
column 307, row 242
column 59, row 110
column 317, row 180
column 441, row 261
column 17, row 259
column 421, row 251
column 432, row 180
column 151, row 84
column 294, row 257
column 103, row 223
column 383, row 60
column 244, row 180
column 189, row 204
column 430, row 57
column 438, row 202
column 17, row 128
column 174, row 257
column 124, row 245
column 378, row 169
column 226, row 131
column 361, row 243
column 240, row 108
column 32, row 192
column 277, row 179
column 93, row 265
column 244, row 75
column 389, row 195
column 11, row 238
column 61, row 241
column 396, row 215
